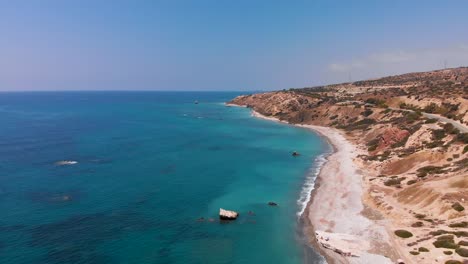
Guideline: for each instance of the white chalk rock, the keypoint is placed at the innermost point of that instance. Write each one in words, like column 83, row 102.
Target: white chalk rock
column 227, row 215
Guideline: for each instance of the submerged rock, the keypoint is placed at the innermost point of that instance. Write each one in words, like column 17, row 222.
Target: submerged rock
column 227, row 215
column 295, row 154
column 272, row 204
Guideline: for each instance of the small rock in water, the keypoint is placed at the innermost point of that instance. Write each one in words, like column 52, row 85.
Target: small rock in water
column 272, row 204
column 227, row 215
column 295, row 154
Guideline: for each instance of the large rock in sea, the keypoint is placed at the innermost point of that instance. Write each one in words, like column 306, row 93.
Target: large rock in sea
column 227, row 215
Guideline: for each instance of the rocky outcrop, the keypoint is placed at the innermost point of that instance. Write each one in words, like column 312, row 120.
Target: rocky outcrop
column 227, row 215
column 392, row 136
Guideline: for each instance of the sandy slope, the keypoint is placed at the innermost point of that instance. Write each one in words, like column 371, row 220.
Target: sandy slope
column 336, row 212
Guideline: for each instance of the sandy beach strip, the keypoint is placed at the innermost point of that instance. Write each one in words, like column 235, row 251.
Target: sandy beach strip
column 337, row 227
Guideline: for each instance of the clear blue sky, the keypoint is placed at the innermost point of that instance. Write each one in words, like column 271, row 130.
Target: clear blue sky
column 222, row 45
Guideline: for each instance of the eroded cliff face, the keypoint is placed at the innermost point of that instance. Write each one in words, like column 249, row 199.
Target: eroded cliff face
column 415, row 172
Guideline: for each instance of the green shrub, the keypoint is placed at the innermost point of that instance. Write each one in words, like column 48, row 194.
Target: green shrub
column 423, row 249
column 373, row 144
column 445, row 237
column 462, row 252
column 417, row 224
column 462, row 137
column 435, row 144
column 463, row 243
column 453, row 262
column 438, row 232
column 450, row 129
column 422, row 172
column 460, row 224
column 445, row 244
column 460, row 233
column 376, row 102
column 392, row 182
column 458, row 207
column 411, row 182
column 403, row 233
column 361, row 124
column 412, row 116
column 438, row 134
column 431, row 121
column 431, row 108
column 367, row 112
column 448, row 252
column 465, row 149
column 400, row 143
column 414, row 252
column 420, row 216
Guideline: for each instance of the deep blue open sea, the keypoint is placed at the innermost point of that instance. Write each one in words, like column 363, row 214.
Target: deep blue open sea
column 149, row 165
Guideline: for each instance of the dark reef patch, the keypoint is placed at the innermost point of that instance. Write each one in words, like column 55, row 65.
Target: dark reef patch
column 74, row 240
column 54, row 196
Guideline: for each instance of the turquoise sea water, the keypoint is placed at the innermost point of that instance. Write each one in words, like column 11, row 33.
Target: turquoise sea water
column 149, row 165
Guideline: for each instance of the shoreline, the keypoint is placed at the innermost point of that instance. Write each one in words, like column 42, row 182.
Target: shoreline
column 334, row 224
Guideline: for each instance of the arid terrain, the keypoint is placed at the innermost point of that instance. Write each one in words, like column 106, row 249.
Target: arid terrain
column 410, row 138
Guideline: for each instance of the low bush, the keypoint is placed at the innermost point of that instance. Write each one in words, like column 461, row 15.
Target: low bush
column 424, row 171
column 445, row 237
column 458, row 207
column 367, row 112
column 448, row 252
column 392, row 182
column 423, row 249
column 445, row 244
column 465, row 149
column 460, row 224
column 412, row 116
column 403, row 233
column 453, row 262
column 450, row 129
column 462, row 137
column 372, row 145
column 431, row 121
column 463, row 243
column 417, row 224
column 414, row 252
column 411, row 182
column 462, row 252
column 361, row 124
column 438, row 134
column 435, row 144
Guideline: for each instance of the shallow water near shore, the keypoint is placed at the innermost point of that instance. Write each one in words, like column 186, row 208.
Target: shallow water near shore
column 149, row 165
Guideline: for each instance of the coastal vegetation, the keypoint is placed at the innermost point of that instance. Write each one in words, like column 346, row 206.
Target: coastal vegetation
column 458, row 207
column 462, row 252
column 403, row 233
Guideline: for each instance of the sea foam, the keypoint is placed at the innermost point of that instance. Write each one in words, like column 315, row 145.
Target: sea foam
column 309, row 184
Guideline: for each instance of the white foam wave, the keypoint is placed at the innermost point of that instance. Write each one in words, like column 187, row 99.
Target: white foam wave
column 309, row 184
